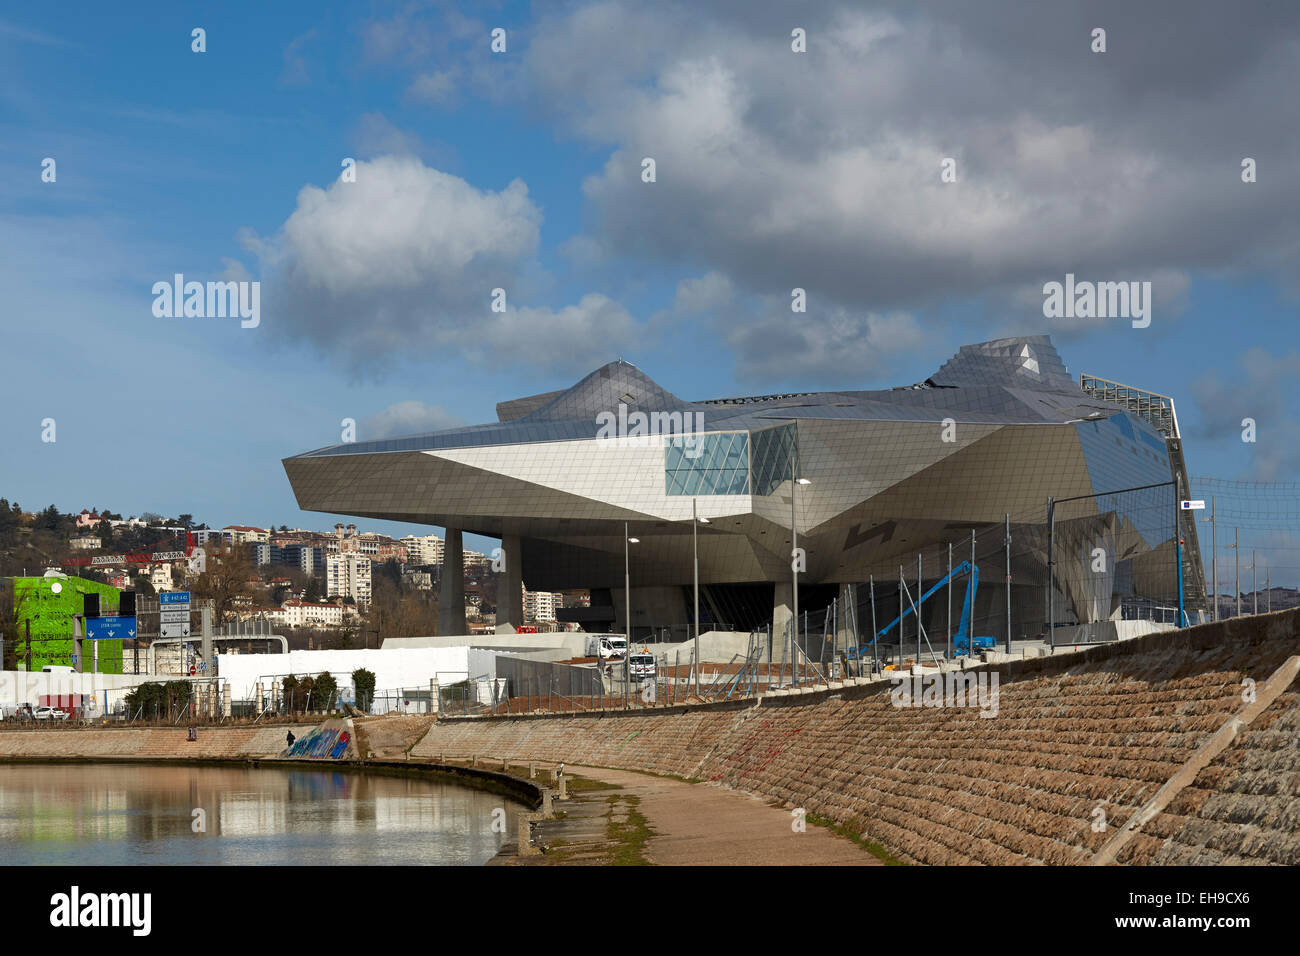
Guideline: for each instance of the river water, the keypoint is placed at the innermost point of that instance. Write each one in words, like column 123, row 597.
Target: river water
column 109, row 814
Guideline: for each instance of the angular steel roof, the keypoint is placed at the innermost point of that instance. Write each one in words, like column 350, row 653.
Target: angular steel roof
column 1018, row 380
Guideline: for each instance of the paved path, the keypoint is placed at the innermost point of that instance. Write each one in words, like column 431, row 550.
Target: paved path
column 699, row 824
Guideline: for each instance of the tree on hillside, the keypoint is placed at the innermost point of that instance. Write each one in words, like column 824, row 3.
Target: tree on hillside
column 396, row 611
column 10, row 522
column 225, row 580
column 48, row 520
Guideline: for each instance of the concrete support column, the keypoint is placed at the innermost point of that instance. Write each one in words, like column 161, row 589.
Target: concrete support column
column 510, row 602
column 782, row 604
column 225, row 700
column 451, row 589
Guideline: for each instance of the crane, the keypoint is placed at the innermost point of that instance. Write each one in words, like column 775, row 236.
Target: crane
column 962, row 640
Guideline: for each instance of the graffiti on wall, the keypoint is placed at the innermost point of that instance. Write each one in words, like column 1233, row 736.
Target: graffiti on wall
column 321, row 742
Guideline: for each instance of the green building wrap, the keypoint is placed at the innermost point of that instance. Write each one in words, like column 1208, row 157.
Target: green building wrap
column 49, row 604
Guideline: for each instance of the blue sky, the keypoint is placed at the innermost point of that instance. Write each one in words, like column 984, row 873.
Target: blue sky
column 775, row 171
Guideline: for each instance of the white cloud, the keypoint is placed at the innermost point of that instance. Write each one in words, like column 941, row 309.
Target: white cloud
column 406, row 418
column 295, row 71
column 834, row 345
column 822, row 169
column 403, row 224
column 437, row 87
column 704, row 294
column 576, row 338
column 405, row 259
column 1268, row 398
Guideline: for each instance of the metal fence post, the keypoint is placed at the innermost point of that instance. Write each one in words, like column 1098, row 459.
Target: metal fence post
column 875, row 647
column 1008, row 547
column 919, row 592
column 970, row 636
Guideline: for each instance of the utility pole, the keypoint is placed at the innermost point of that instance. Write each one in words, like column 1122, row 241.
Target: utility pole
column 794, row 563
column 949, row 654
column 1254, row 587
column 875, row 651
column 1214, row 557
column 917, row 607
column 970, row 633
column 1051, row 542
column 1178, row 546
column 1008, row 547
column 695, row 547
column 627, row 595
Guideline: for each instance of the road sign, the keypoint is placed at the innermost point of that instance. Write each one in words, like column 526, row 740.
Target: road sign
column 173, row 598
column 1193, row 505
column 175, row 616
column 101, row 628
column 176, row 630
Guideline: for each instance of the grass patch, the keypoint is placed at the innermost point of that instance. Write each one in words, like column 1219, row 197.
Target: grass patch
column 585, row 785
column 854, row 834
column 629, row 836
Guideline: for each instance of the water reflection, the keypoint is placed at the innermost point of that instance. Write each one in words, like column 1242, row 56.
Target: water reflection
column 108, row 814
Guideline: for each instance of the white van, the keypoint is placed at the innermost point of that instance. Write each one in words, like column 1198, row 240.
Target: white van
column 607, row 647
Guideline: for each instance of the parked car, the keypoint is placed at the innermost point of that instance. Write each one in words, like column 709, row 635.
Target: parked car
column 50, row 713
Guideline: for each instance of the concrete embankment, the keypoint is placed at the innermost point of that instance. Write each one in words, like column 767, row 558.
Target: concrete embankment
column 148, row 743
column 242, row 745
column 1117, row 753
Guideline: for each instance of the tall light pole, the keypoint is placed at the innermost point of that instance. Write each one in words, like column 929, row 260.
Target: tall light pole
column 627, row 595
column 696, row 521
column 794, row 566
column 1214, row 558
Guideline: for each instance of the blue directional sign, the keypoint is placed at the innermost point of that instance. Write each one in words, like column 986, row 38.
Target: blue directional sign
column 173, row 597
column 103, row 628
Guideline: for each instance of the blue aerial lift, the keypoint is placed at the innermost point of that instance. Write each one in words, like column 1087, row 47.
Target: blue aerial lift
column 962, row 640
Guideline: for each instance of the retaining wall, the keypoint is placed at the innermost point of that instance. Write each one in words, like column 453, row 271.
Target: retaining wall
column 1103, row 729
column 223, row 743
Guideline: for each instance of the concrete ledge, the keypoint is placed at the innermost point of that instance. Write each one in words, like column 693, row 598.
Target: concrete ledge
column 525, row 791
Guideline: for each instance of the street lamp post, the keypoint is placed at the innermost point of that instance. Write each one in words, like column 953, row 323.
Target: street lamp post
column 1214, row 558
column 794, row 567
column 627, row 595
column 696, row 521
